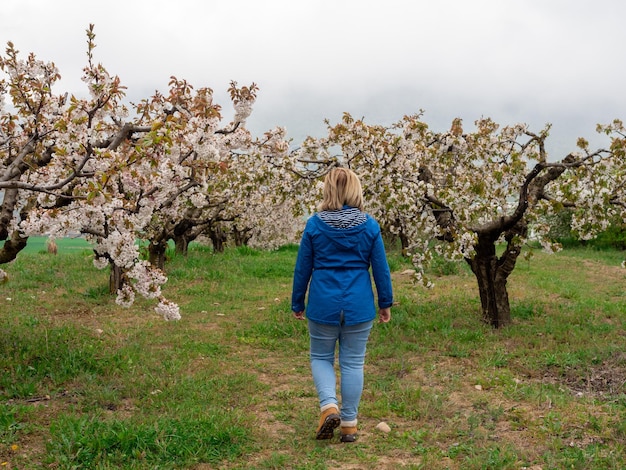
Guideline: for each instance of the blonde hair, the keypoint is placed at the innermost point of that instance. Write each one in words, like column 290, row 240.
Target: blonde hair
column 341, row 188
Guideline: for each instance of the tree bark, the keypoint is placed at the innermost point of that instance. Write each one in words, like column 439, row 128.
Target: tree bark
column 494, row 298
column 217, row 238
column 156, row 254
column 241, row 237
column 14, row 241
column 115, row 278
column 181, row 245
column 12, row 247
column 404, row 242
column 186, row 231
column 492, row 274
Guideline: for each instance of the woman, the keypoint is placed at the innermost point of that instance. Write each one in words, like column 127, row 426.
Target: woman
column 339, row 245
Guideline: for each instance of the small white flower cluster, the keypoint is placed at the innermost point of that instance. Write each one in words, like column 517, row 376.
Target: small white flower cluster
column 121, row 247
column 125, row 296
column 100, row 262
column 467, row 244
column 148, row 279
column 243, row 109
column 169, row 310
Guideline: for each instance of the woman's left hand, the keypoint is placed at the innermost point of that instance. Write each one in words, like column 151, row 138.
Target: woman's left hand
column 384, row 315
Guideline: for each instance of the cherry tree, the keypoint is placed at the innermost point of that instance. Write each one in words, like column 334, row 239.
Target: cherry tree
column 462, row 194
column 238, row 186
column 85, row 166
column 60, row 156
column 267, row 215
column 22, row 138
column 197, row 153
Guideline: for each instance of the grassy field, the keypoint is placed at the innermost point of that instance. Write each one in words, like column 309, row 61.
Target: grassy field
column 85, row 384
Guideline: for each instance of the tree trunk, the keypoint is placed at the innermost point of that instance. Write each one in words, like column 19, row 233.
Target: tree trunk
column 156, row 254
column 14, row 241
column 218, row 238
column 12, row 247
column 184, row 233
column 182, row 240
column 181, row 245
column 115, row 278
column 404, row 242
column 494, row 298
column 492, row 273
column 241, row 237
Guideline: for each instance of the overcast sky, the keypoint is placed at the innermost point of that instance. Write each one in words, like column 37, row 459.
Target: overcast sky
column 531, row 61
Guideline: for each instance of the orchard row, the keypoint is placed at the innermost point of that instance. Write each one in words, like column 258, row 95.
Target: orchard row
column 171, row 168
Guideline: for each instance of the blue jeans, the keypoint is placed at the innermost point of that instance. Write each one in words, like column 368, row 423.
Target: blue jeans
column 352, row 344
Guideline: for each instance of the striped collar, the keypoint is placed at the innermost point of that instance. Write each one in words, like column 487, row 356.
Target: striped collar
column 347, row 217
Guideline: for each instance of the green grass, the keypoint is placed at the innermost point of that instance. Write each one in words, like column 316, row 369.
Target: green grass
column 64, row 245
column 85, row 384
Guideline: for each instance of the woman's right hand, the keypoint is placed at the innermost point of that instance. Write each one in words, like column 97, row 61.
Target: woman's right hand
column 384, row 315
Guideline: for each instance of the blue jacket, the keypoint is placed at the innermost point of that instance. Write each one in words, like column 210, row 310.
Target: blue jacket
column 336, row 261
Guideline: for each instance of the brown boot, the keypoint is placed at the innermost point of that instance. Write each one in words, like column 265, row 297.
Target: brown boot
column 329, row 421
column 348, row 433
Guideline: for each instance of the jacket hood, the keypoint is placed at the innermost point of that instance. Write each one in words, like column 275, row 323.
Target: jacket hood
column 345, row 238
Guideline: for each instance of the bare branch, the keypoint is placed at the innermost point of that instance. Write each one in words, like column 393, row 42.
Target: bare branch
column 229, row 131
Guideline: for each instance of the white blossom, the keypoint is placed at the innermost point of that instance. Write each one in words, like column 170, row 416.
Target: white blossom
column 169, row 310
